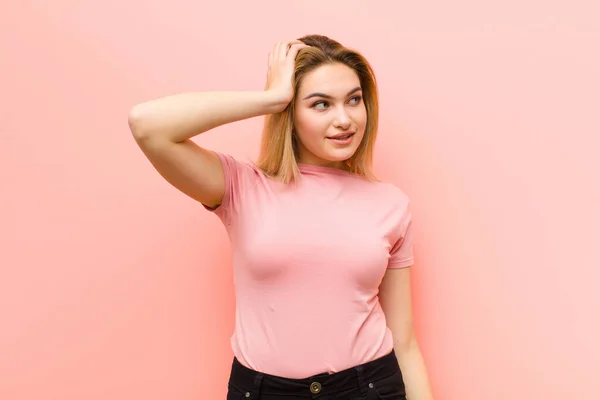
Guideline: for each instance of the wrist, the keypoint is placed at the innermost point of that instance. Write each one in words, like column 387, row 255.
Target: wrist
column 277, row 101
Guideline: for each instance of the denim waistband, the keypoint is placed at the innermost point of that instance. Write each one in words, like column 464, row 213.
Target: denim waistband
column 357, row 377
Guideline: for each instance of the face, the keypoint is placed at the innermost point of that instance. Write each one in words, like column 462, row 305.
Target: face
column 329, row 107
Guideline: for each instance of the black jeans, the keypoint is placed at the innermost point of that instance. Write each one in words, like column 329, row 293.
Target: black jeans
column 380, row 379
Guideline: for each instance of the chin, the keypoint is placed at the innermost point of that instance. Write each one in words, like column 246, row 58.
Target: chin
column 342, row 154
column 338, row 156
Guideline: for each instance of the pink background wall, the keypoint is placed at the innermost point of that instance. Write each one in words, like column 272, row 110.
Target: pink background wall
column 113, row 285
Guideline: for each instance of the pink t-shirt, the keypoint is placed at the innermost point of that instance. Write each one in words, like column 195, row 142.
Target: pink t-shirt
column 308, row 259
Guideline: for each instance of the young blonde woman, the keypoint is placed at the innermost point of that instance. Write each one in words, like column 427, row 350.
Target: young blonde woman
column 322, row 249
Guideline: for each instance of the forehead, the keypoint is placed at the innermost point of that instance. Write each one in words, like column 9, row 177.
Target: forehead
column 333, row 79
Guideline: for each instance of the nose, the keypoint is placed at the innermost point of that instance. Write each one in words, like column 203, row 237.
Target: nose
column 342, row 119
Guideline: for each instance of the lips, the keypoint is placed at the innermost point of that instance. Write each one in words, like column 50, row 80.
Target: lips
column 341, row 136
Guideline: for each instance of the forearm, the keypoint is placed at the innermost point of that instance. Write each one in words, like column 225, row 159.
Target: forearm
column 414, row 371
column 181, row 116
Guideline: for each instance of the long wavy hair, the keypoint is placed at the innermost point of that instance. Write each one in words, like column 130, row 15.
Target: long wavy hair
column 279, row 151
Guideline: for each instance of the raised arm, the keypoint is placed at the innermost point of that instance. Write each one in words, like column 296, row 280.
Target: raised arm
column 163, row 127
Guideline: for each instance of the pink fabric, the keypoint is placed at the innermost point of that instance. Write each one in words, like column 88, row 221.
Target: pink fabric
column 308, row 260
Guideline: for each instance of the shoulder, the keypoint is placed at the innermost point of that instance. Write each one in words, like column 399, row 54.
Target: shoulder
column 392, row 194
column 398, row 209
column 395, row 203
column 238, row 165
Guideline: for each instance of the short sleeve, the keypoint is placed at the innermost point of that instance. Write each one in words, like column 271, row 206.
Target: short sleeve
column 401, row 254
column 236, row 176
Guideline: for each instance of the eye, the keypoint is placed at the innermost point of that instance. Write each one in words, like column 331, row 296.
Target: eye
column 317, row 103
column 357, row 98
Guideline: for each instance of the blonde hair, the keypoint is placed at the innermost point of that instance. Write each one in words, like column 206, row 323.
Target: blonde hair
column 278, row 151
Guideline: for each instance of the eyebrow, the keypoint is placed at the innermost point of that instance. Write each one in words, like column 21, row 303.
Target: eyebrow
column 356, row 89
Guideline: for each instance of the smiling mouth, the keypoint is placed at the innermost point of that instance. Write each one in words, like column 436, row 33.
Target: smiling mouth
column 342, row 137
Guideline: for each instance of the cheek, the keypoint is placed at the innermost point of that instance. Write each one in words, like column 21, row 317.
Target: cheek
column 361, row 117
column 311, row 127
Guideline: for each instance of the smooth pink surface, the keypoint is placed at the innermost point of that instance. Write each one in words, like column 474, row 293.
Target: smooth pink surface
column 114, row 285
column 308, row 259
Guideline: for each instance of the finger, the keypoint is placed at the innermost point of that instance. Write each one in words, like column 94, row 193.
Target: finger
column 285, row 47
column 298, row 45
column 282, row 50
column 274, row 53
column 294, row 43
column 295, row 49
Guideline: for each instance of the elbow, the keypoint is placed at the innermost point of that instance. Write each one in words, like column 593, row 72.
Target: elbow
column 135, row 122
column 406, row 347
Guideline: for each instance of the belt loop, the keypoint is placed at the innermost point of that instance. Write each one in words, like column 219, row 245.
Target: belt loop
column 361, row 380
column 257, row 382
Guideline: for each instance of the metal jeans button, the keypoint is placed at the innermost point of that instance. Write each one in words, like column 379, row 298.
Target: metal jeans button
column 315, row 387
